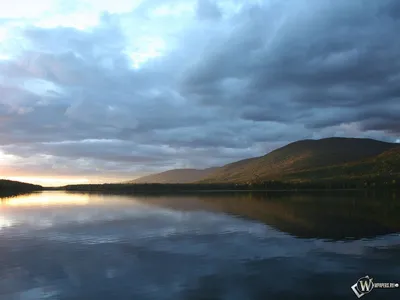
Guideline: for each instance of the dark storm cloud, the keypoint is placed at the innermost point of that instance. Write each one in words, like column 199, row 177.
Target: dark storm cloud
column 334, row 55
column 232, row 80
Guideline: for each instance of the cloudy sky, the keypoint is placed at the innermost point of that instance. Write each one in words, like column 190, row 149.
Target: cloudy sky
column 115, row 89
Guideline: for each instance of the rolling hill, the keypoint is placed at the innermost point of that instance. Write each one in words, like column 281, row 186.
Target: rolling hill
column 385, row 165
column 9, row 187
column 176, row 176
column 329, row 158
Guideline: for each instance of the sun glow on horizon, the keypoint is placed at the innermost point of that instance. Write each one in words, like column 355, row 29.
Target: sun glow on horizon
column 49, row 181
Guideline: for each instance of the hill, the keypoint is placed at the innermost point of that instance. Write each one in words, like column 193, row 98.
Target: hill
column 379, row 171
column 328, row 158
column 176, row 176
column 9, row 187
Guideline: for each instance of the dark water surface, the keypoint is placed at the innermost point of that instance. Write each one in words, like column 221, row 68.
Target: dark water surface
column 55, row 245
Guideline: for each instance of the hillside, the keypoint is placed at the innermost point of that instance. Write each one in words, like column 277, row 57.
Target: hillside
column 313, row 159
column 385, row 165
column 10, row 187
column 176, row 176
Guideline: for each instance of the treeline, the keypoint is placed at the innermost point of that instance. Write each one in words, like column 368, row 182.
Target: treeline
column 339, row 183
column 265, row 185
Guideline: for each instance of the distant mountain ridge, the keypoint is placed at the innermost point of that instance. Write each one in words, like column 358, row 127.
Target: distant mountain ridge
column 176, row 176
column 328, row 158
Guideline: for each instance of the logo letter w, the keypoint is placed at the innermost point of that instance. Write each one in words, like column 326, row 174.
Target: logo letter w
column 366, row 285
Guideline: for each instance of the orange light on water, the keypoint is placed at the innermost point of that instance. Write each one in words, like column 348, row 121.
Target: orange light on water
column 50, row 199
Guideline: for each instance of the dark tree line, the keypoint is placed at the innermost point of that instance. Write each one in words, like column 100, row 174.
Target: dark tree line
column 259, row 185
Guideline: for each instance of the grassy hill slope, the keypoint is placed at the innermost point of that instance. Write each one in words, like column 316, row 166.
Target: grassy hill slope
column 313, row 159
column 385, row 165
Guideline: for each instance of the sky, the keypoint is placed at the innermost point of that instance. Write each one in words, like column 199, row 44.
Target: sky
column 103, row 91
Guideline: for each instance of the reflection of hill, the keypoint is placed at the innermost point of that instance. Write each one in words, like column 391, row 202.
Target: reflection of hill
column 302, row 215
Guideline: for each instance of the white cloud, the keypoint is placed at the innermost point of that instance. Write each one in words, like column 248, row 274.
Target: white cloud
column 41, row 87
column 79, row 21
column 146, row 48
column 3, row 34
column 7, row 158
column 22, row 9
column 174, row 10
column 115, row 6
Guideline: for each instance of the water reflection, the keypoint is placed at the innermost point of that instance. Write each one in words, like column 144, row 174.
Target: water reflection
column 339, row 216
column 46, row 199
column 225, row 246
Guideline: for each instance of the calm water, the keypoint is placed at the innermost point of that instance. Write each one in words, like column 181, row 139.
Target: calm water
column 56, row 245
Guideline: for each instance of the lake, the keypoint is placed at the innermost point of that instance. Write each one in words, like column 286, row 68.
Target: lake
column 209, row 246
